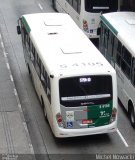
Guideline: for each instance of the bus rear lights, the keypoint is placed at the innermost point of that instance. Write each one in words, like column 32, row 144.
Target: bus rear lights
column 85, row 26
column 59, row 118
column 87, row 121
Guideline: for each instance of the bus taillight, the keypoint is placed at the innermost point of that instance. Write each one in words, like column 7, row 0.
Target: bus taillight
column 58, row 117
column 59, row 120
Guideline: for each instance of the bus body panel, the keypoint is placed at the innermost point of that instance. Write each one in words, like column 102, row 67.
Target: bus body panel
column 87, row 19
column 41, row 93
column 86, row 116
column 93, row 21
column 62, row 133
column 117, row 43
column 74, row 93
column 125, row 89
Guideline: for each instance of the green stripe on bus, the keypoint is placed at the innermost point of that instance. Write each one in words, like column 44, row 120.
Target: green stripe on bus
column 26, row 24
column 100, row 114
column 106, row 22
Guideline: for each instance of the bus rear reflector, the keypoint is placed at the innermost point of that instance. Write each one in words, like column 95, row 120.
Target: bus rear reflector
column 87, row 121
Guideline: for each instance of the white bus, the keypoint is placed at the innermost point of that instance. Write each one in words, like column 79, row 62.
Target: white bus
column 86, row 14
column 75, row 83
column 117, row 43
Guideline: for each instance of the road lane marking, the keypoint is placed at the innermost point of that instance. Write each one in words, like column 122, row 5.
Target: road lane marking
column 15, row 92
column 2, row 44
column 40, row 6
column 11, row 77
column 122, row 138
column 8, row 67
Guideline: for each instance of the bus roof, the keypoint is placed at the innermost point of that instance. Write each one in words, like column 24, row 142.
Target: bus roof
column 122, row 24
column 62, row 47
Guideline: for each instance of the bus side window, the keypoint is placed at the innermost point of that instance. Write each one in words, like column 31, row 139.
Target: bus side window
column 77, row 5
column 45, row 82
column 114, row 49
column 102, row 48
column 24, row 35
column 71, row 2
column 110, row 44
column 107, row 37
column 126, row 62
column 29, row 43
column 133, row 72
column 119, row 53
column 43, row 77
column 49, row 89
column 32, row 53
column 37, row 64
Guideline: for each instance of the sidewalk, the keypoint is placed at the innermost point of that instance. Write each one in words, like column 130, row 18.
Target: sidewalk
column 14, row 136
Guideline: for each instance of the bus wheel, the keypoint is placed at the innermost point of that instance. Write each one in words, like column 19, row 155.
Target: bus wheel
column 132, row 116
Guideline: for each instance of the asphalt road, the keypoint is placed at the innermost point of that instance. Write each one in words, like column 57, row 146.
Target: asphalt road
column 42, row 138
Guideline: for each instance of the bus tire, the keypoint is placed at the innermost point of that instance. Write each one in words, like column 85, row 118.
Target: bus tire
column 132, row 115
column 44, row 108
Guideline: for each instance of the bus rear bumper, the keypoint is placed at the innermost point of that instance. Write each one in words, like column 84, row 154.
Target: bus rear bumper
column 63, row 133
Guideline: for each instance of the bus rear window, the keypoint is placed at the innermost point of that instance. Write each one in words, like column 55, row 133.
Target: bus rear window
column 101, row 5
column 77, row 91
